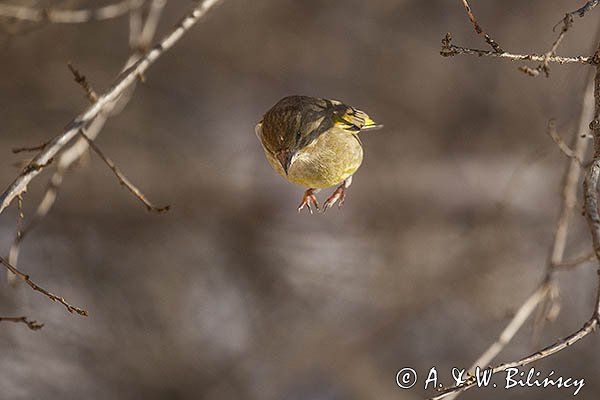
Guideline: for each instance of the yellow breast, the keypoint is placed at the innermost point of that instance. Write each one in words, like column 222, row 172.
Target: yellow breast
column 329, row 160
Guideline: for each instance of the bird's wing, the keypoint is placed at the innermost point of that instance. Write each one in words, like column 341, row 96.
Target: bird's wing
column 351, row 119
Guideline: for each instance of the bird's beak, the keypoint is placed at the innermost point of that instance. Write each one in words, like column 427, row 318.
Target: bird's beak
column 285, row 159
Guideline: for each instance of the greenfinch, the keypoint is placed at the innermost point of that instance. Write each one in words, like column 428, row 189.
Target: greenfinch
column 314, row 142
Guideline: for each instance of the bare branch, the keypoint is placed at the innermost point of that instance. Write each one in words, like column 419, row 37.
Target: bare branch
column 126, row 79
column 32, row 148
column 10, row 277
column 563, row 147
column 43, row 209
column 74, row 153
column 590, row 184
column 57, row 16
column 149, row 28
column 122, row 178
column 25, row 278
column 20, row 215
column 513, row 327
column 568, row 202
column 78, row 149
column 33, row 325
column 479, row 30
column 82, row 81
column 135, row 25
column 450, row 50
column 554, row 348
column 550, row 308
column 549, row 287
column 567, row 22
column 572, row 175
column 575, row 262
column 586, row 7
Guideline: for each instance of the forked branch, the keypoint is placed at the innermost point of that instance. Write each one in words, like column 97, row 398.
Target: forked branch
column 449, row 50
column 125, row 80
column 25, row 278
column 33, row 325
column 590, row 110
column 141, row 34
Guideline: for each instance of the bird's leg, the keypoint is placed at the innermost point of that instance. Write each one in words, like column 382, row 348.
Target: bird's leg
column 338, row 194
column 308, row 199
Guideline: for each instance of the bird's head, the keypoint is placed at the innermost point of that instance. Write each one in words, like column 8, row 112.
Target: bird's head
column 290, row 126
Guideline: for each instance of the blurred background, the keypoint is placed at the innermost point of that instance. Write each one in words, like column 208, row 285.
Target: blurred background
column 233, row 294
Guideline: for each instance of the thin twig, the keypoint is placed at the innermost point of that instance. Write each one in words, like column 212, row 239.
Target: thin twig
column 78, row 149
column 122, row 178
column 450, row 50
column 20, row 215
column 82, row 81
column 41, row 211
column 513, row 327
column 33, row 325
column 31, row 148
column 57, row 16
column 25, row 278
column 575, row 262
column 549, row 307
column 149, row 28
column 571, row 177
column 135, row 25
column 125, row 80
column 567, row 22
column 590, row 184
column 549, row 287
column 562, row 146
column 554, row 348
column 10, row 277
column 586, row 7
column 495, row 46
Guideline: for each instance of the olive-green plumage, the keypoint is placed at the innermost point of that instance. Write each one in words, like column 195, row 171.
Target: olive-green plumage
column 313, row 142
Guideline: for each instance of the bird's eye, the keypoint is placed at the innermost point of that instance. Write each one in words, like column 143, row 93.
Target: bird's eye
column 298, row 136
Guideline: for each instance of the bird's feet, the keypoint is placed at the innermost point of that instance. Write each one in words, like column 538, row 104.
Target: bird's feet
column 308, row 199
column 338, row 195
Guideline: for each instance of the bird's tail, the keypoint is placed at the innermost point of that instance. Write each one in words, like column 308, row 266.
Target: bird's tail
column 370, row 125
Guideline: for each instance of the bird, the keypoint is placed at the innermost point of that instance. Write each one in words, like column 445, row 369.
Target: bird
column 313, row 142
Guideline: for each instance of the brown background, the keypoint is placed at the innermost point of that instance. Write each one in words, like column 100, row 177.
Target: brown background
column 234, row 295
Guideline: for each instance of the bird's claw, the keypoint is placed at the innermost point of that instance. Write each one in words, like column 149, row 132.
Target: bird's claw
column 308, row 199
column 338, row 195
